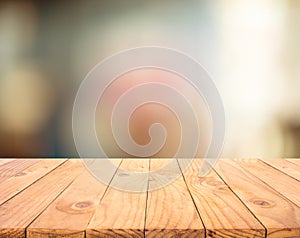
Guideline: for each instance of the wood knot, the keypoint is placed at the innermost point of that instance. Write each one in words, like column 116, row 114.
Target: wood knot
column 77, row 207
column 262, row 203
column 20, row 174
column 123, row 174
column 82, row 205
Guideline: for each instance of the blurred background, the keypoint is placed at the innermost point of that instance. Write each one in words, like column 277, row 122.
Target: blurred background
column 251, row 48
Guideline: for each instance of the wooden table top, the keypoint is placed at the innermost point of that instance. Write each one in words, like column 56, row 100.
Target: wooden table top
column 239, row 198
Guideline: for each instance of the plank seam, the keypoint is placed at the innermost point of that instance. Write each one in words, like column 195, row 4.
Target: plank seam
column 145, row 220
column 32, row 182
column 48, row 205
column 241, row 201
column 291, row 161
column 279, row 169
column 15, row 167
column 104, row 193
column 282, row 195
column 52, row 200
column 205, row 231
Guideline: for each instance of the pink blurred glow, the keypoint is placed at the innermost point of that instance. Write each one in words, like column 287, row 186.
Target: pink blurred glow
column 150, row 113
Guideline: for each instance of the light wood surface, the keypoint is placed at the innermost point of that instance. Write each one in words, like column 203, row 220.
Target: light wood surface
column 170, row 210
column 20, row 181
column 42, row 198
column 18, row 212
column 4, row 161
column 294, row 161
column 285, row 166
column 223, row 214
column 70, row 213
column 13, row 167
column 121, row 213
column 281, row 182
column 278, row 215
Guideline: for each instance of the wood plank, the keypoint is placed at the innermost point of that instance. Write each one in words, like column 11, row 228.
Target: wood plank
column 170, row 210
column 11, row 168
column 121, row 213
column 223, row 214
column 59, row 201
column 294, row 161
column 70, row 213
column 284, row 166
column 282, row 183
column 26, row 177
column 279, row 215
column 17, row 213
column 4, row 161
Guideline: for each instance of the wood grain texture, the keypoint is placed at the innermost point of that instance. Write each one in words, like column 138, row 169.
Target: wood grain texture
column 282, row 183
column 170, row 210
column 70, row 213
column 4, row 161
column 21, row 180
column 239, row 198
column 11, row 168
column 294, row 161
column 17, row 213
column 279, row 215
column 121, row 213
column 284, row 166
column 223, row 214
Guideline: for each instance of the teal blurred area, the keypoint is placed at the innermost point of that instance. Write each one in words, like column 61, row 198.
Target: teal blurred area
column 251, row 48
